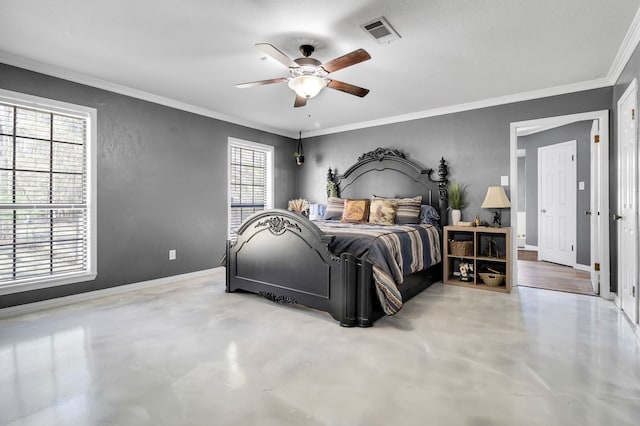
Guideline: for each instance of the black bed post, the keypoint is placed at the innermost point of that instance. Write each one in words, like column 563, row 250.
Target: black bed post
column 443, row 182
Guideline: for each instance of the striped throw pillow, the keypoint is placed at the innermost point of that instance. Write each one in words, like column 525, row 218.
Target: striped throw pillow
column 335, row 206
column 408, row 210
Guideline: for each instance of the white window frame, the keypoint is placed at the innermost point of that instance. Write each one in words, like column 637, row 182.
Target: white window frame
column 91, row 115
column 268, row 149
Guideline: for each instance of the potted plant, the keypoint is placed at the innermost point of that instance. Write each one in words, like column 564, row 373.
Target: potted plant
column 299, row 154
column 457, row 200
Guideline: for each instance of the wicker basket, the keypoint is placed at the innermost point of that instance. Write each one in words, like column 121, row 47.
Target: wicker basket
column 461, row 248
column 492, row 279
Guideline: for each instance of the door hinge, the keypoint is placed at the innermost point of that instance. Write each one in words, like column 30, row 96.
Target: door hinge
column 596, row 266
column 633, row 113
column 633, row 291
column 596, row 138
column 572, row 159
column 571, row 247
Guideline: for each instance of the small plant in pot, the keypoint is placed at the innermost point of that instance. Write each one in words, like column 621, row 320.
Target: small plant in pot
column 457, row 200
column 299, row 154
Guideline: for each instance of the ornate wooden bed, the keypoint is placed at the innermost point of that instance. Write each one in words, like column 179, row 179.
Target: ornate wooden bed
column 285, row 257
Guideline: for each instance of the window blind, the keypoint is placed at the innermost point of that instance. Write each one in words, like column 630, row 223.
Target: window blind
column 248, row 180
column 43, row 194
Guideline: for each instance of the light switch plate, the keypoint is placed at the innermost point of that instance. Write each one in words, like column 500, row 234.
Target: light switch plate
column 581, row 186
column 172, row 254
column 504, row 180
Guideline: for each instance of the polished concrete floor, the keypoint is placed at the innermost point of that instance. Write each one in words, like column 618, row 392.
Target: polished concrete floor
column 189, row 354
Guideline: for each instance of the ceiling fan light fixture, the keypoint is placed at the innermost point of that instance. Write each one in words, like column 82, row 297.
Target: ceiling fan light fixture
column 307, row 86
column 308, row 76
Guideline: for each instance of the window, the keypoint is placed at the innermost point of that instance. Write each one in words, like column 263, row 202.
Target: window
column 47, row 218
column 250, row 181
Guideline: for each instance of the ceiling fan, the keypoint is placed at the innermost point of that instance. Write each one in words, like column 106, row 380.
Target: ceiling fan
column 309, row 75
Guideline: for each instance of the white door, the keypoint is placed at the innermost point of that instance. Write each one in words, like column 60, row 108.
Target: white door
column 627, row 215
column 557, row 203
column 594, row 220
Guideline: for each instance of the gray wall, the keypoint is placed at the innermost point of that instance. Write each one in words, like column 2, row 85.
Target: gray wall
column 522, row 184
column 162, row 177
column 475, row 144
column 580, row 132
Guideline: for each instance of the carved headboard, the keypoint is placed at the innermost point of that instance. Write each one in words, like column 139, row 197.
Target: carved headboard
column 388, row 173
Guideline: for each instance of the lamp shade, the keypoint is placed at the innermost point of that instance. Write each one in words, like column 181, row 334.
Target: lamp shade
column 496, row 198
column 307, row 86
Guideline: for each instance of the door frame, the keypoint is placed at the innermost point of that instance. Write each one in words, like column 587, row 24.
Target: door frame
column 573, row 144
column 631, row 90
column 594, row 225
column 601, row 205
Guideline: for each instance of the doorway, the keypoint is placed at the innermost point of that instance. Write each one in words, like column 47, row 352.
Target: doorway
column 555, row 174
column 597, row 209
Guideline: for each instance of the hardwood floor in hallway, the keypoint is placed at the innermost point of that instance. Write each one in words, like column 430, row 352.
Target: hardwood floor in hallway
column 551, row 276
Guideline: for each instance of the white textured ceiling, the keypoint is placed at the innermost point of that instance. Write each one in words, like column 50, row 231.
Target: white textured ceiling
column 194, row 51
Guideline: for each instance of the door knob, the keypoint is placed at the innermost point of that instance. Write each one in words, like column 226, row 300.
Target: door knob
column 617, row 217
column 588, row 213
column 543, row 211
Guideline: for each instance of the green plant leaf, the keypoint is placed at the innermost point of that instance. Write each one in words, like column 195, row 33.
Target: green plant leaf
column 457, row 195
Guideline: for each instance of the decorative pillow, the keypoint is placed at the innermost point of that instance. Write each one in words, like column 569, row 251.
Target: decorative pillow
column 335, row 206
column 408, row 209
column 429, row 215
column 355, row 210
column 382, row 212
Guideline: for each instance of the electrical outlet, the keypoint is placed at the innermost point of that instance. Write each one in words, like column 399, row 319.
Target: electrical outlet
column 173, row 254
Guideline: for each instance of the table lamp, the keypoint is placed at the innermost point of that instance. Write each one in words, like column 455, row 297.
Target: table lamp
column 496, row 198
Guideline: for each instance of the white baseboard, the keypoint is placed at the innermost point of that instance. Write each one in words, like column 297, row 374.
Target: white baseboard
column 616, row 301
column 532, row 248
column 27, row 308
column 580, row 267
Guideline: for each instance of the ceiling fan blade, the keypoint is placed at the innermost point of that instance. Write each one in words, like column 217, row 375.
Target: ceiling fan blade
column 300, row 101
column 348, row 88
column 277, row 55
column 355, row 57
column 260, row 83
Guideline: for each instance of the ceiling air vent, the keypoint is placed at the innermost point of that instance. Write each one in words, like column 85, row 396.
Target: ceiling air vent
column 381, row 30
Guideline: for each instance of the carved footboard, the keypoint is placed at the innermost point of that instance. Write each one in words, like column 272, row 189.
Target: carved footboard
column 285, row 257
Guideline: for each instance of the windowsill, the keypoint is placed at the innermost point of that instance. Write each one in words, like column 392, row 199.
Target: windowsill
column 46, row 283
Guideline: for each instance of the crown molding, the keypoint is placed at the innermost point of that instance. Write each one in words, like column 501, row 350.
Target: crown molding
column 485, row 103
column 526, row 131
column 65, row 74
column 628, row 46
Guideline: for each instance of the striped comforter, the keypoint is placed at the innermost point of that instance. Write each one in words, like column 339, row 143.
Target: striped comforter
column 394, row 251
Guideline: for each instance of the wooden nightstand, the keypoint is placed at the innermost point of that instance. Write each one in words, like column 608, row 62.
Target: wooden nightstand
column 481, row 256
